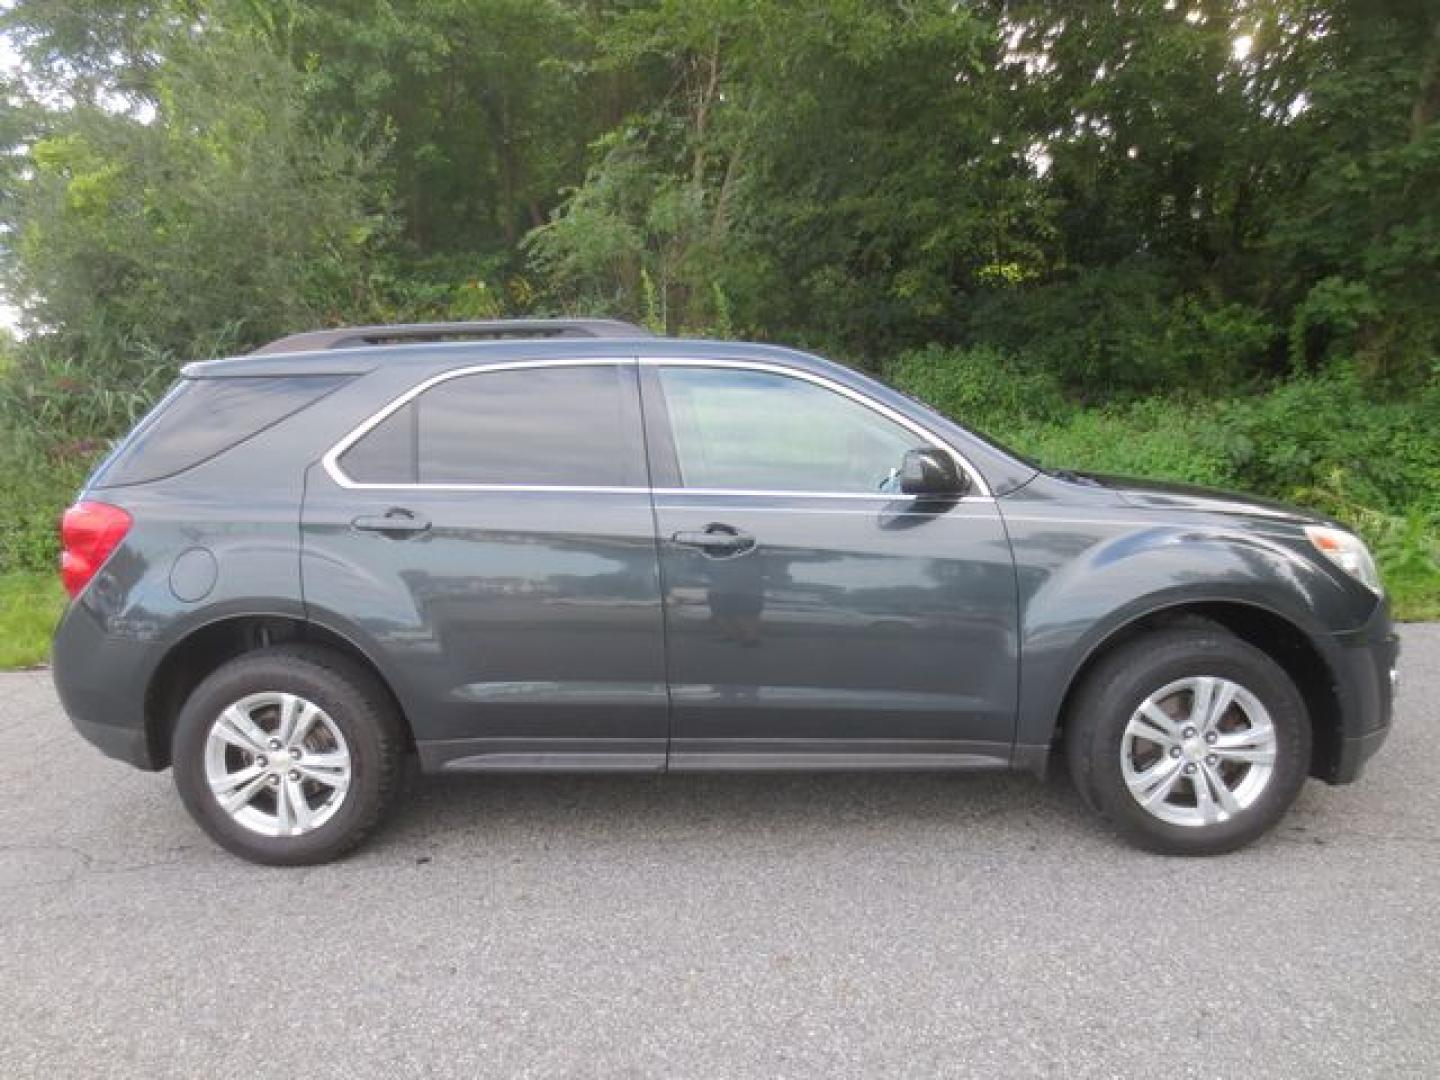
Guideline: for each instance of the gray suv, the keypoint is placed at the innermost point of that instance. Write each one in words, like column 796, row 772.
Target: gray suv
column 569, row 546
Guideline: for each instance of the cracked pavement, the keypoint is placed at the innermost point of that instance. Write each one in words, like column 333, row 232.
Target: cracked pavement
column 771, row 926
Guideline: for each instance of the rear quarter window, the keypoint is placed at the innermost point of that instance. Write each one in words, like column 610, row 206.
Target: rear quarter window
column 200, row 418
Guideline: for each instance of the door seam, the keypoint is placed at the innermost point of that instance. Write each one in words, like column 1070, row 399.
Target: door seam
column 639, row 384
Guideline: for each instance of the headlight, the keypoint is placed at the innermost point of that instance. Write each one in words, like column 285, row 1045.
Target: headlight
column 1348, row 552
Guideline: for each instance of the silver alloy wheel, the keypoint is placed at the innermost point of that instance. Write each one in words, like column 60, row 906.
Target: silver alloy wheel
column 277, row 764
column 1198, row 751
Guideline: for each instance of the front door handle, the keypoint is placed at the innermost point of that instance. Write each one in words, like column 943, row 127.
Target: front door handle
column 397, row 522
column 716, row 539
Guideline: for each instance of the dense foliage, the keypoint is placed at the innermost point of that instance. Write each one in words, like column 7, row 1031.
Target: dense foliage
column 1322, row 441
column 1196, row 238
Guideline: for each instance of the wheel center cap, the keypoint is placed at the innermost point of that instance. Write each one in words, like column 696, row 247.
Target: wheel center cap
column 1195, row 750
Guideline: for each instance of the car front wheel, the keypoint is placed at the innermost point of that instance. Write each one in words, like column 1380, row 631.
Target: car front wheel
column 1191, row 741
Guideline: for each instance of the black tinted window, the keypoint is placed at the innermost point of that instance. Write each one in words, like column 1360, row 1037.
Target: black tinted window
column 560, row 425
column 386, row 455
column 565, row 426
column 200, row 418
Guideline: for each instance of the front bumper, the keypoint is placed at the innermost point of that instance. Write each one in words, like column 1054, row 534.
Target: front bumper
column 1364, row 664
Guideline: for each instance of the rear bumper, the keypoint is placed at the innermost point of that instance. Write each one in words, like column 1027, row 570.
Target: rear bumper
column 100, row 679
column 123, row 744
column 1354, row 753
column 1364, row 664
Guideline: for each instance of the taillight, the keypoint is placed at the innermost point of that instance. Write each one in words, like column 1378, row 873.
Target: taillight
column 89, row 532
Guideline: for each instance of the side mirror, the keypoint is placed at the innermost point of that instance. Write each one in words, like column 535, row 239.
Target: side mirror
column 931, row 473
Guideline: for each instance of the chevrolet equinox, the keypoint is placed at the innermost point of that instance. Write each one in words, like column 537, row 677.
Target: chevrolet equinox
column 565, row 545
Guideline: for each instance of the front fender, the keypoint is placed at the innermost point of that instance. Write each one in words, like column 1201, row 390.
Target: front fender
column 1081, row 583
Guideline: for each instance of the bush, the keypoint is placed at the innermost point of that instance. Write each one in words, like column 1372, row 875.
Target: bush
column 1327, row 441
column 35, row 486
column 60, row 409
column 56, row 394
column 981, row 387
column 1126, row 330
column 1152, row 438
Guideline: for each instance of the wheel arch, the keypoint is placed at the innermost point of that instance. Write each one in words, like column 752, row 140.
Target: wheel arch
column 203, row 649
column 1273, row 633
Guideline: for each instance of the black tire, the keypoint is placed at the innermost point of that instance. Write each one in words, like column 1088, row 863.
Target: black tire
column 1123, row 679
column 355, row 702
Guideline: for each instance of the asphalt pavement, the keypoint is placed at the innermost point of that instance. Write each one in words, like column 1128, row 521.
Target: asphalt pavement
column 766, row 926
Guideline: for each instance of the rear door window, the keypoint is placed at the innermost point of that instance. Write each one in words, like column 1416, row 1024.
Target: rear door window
column 563, row 426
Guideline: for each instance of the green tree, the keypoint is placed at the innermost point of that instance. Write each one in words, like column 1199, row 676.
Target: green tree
column 764, row 182
column 229, row 208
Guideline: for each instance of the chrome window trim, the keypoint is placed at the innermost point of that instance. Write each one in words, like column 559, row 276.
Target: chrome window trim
column 330, row 461
column 750, row 493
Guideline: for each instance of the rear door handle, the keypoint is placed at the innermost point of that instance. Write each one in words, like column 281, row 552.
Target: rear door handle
column 397, row 522
column 716, row 539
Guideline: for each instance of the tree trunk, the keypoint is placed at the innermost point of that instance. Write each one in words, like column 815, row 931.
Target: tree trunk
column 1426, row 106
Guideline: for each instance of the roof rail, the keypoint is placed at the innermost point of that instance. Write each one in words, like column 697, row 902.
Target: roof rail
column 350, row 337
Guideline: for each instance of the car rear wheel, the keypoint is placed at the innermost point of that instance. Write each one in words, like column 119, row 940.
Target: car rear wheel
column 1191, row 741
column 288, row 755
